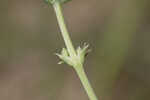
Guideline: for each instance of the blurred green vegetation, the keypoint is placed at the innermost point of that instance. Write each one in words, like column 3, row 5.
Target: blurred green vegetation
column 118, row 66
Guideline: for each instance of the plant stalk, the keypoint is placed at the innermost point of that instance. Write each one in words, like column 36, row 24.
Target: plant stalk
column 79, row 68
column 86, row 84
column 63, row 28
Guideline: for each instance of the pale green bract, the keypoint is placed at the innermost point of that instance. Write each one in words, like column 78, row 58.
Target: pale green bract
column 65, row 57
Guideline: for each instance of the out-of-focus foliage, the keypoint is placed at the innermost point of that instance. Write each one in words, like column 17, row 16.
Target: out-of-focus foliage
column 118, row 66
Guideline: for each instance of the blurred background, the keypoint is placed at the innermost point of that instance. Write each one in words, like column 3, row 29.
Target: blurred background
column 118, row 67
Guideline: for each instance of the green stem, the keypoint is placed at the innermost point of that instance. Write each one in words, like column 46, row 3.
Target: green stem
column 87, row 86
column 79, row 68
column 64, row 31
